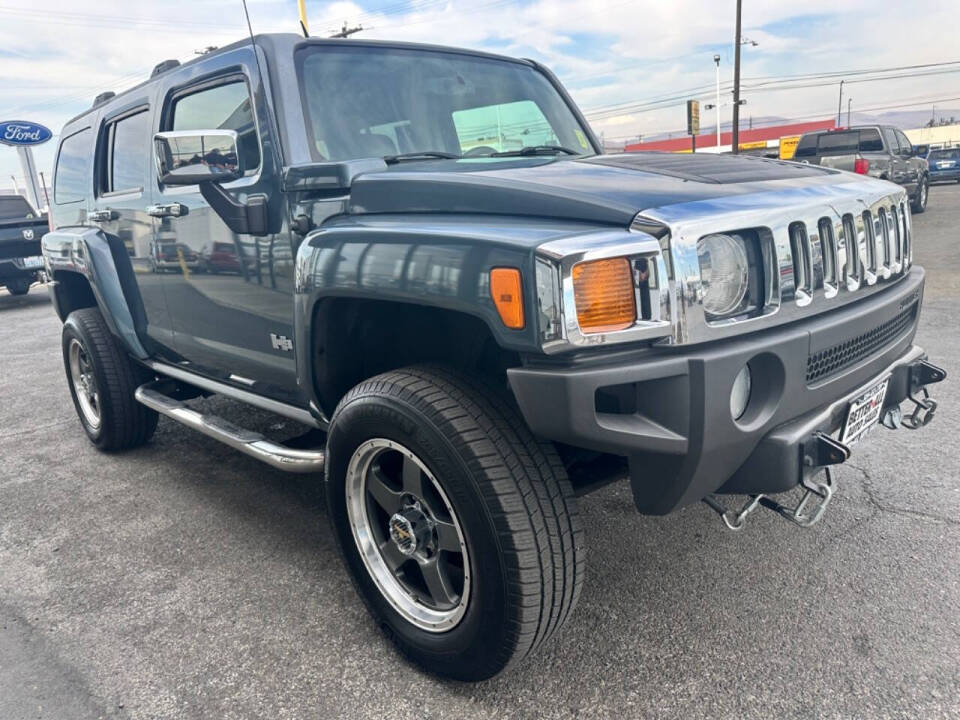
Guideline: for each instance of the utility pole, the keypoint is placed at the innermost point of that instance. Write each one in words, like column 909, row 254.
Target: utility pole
column 849, row 100
column 736, row 85
column 347, row 32
column 716, row 60
column 840, row 103
column 43, row 184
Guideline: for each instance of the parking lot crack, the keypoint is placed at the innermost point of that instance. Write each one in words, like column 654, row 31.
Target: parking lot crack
column 884, row 507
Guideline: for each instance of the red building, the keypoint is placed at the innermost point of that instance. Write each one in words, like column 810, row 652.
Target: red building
column 769, row 135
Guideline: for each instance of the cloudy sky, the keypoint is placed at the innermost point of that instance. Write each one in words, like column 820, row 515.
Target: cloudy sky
column 628, row 63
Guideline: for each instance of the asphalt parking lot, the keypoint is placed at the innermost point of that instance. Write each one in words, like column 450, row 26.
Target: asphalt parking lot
column 184, row 580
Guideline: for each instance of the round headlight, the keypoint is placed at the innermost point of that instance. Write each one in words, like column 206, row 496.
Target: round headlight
column 723, row 272
column 740, row 392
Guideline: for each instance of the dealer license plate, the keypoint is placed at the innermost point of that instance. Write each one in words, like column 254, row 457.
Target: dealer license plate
column 864, row 413
column 33, row 262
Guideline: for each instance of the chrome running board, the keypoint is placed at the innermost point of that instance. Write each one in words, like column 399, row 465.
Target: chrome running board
column 246, row 441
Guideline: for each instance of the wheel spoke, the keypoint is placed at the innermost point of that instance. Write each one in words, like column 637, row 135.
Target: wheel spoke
column 412, row 478
column 447, row 537
column 385, row 497
column 392, row 555
column 438, row 582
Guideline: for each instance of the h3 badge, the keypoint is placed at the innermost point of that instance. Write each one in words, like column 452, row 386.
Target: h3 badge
column 281, row 342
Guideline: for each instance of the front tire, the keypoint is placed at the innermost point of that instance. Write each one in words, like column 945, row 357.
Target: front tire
column 20, row 286
column 425, row 465
column 102, row 379
column 919, row 203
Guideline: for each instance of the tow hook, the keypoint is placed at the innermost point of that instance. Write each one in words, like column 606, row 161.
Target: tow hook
column 818, row 453
column 922, row 374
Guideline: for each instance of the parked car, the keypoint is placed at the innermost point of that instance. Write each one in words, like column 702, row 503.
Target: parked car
column 944, row 165
column 21, row 228
column 880, row 151
column 479, row 315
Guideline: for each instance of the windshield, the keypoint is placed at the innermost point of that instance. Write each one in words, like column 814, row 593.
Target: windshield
column 368, row 101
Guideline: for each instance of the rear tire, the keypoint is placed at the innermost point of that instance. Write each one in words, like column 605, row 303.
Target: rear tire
column 506, row 493
column 919, row 204
column 20, row 286
column 102, row 379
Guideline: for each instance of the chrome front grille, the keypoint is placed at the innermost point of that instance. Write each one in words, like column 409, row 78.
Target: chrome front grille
column 831, row 244
column 858, row 251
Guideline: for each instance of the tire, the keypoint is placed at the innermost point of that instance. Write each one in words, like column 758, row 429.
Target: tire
column 20, row 286
column 919, row 203
column 508, row 492
column 94, row 359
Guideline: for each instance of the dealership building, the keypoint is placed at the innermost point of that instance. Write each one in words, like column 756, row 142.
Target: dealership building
column 760, row 140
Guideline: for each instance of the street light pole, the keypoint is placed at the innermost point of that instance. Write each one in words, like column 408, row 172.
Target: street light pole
column 736, row 85
column 716, row 60
column 849, row 100
column 840, row 103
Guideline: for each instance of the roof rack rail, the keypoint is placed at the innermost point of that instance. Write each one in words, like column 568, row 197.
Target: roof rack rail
column 103, row 97
column 164, row 66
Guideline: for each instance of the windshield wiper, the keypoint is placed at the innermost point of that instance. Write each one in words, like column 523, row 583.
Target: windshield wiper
column 537, row 150
column 421, row 155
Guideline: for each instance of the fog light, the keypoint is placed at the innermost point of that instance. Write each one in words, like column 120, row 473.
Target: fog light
column 740, row 393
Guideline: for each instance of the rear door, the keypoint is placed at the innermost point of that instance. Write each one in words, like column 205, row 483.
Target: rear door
column 913, row 166
column 230, row 295
column 122, row 193
column 898, row 168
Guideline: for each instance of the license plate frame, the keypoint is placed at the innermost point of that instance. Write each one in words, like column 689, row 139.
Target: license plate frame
column 33, row 263
column 863, row 412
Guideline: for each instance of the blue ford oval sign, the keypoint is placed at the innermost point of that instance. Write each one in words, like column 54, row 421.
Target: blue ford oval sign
column 19, row 132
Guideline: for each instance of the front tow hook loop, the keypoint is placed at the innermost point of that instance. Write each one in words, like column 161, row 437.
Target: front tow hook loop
column 924, row 408
column 798, row 514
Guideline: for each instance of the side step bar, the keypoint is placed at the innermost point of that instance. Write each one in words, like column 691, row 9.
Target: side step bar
column 246, row 441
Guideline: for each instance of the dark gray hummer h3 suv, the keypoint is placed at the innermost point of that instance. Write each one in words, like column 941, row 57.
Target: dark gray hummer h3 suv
column 421, row 254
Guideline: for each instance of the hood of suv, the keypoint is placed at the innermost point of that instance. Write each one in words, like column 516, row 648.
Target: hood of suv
column 607, row 189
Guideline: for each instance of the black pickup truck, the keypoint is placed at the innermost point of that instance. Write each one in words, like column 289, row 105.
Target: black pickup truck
column 422, row 255
column 21, row 228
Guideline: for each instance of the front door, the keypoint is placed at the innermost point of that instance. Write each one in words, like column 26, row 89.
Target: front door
column 230, row 295
column 123, row 194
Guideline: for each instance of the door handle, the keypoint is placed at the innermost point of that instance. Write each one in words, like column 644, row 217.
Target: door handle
column 171, row 210
column 103, row 215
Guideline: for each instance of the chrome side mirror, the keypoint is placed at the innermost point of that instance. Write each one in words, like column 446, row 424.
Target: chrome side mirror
column 194, row 157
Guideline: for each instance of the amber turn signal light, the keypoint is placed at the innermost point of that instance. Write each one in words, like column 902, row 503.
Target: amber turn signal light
column 604, row 294
column 507, row 293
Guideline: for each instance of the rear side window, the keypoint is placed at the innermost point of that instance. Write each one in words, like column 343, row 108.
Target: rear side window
column 127, row 153
column 71, row 180
column 870, row 141
column 807, row 147
column 223, row 107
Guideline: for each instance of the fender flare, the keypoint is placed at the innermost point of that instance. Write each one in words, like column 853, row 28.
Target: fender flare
column 89, row 252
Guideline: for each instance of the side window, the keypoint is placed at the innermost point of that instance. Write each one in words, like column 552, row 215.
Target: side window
column 223, row 107
column 127, row 152
column 71, row 179
column 807, row 147
column 891, row 137
column 870, row 141
column 509, row 126
column 906, row 147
